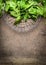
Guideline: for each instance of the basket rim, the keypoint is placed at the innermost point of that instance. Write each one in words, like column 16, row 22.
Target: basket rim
column 16, row 28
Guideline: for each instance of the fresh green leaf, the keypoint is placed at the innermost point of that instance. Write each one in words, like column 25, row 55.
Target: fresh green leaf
column 25, row 9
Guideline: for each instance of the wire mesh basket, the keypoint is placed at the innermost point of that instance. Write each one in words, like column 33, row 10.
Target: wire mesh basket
column 23, row 26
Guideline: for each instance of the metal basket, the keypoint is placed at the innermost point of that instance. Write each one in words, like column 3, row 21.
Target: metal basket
column 23, row 26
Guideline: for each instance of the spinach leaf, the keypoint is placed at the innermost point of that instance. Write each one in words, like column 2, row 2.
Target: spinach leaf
column 1, row 7
column 25, row 9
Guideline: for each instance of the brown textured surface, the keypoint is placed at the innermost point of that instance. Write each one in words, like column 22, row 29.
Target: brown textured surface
column 24, row 45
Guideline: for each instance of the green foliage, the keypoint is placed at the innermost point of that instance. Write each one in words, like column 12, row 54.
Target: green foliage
column 1, row 7
column 24, row 9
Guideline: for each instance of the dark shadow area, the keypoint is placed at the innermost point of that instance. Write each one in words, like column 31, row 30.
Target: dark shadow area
column 3, row 53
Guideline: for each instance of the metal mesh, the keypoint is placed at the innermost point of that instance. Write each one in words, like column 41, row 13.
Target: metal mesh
column 23, row 26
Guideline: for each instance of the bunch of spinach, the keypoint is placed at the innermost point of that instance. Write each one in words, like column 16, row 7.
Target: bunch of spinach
column 25, row 9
